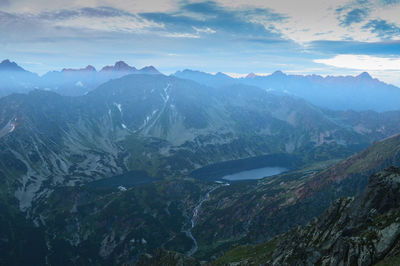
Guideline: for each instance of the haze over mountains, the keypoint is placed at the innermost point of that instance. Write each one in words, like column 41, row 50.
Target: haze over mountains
column 358, row 93
column 71, row 82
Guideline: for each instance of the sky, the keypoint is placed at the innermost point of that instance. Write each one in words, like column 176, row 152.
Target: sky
column 326, row 37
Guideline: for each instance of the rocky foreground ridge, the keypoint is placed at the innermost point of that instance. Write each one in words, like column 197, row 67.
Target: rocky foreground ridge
column 353, row 231
column 364, row 230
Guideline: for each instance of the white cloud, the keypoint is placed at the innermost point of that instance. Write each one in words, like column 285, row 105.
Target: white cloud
column 37, row 6
column 204, row 30
column 362, row 62
column 313, row 20
column 181, row 35
column 109, row 24
column 383, row 68
column 307, row 20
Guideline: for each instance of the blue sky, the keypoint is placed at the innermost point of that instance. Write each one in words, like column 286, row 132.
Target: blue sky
column 236, row 37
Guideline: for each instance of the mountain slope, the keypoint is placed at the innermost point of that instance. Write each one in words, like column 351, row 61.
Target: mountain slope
column 353, row 231
column 217, row 80
column 14, row 78
column 165, row 126
column 194, row 122
column 47, row 142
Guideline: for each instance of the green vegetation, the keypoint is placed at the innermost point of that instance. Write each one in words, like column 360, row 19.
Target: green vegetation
column 249, row 255
column 390, row 261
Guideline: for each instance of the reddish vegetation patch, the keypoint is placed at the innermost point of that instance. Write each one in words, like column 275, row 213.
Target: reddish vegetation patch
column 338, row 172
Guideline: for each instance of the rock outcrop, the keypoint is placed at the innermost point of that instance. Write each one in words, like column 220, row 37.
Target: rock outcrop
column 353, row 231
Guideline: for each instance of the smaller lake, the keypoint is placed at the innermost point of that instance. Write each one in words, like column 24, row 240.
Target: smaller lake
column 255, row 173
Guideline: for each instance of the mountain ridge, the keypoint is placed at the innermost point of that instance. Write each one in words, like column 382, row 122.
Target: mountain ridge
column 68, row 81
column 361, row 92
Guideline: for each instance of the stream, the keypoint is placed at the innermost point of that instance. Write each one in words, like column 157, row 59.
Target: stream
column 195, row 215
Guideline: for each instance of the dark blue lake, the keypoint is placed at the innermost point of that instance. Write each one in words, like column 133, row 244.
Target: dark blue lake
column 255, row 173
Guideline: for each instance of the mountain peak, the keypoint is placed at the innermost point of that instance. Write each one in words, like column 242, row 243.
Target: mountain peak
column 89, row 68
column 251, row 75
column 119, row 66
column 7, row 65
column 149, row 70
column 220, row 74
column 278, row 73
column 364, row 75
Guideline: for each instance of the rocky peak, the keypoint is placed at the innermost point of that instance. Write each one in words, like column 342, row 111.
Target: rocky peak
column 119, row 66
column 364, row 76
column 251, row 75
column 7, row 65
column 89, row 68
column 278, row 73
column 149, row 70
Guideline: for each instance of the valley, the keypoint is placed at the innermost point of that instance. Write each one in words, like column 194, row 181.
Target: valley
column 147, row 164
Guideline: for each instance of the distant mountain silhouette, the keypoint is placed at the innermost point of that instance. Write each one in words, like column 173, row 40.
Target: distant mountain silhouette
column 360, row 92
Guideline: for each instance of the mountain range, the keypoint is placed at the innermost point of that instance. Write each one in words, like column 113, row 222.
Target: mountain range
column 180, row 126
column 136, row 163
column 358, row 93
column 70, row 82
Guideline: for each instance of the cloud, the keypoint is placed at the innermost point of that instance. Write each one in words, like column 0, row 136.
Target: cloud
column 354, row 47
column 78, row 24
column 206, row 30
column 362, row 62
column 98, row 12
column 356, row 15
column 4, row 2
column 390, row 2
column 210, row 15
column 383, row 29
column 219, row 35
column 181, row 35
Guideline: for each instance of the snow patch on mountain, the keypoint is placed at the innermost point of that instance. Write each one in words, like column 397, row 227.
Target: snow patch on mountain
column 79, row 84
column 119, row 106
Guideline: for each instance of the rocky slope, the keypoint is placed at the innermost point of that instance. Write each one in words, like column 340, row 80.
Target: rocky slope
column 166, row 258
column 47, row 142
column 162, row 125
column 251, row 212
column 353, row 231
